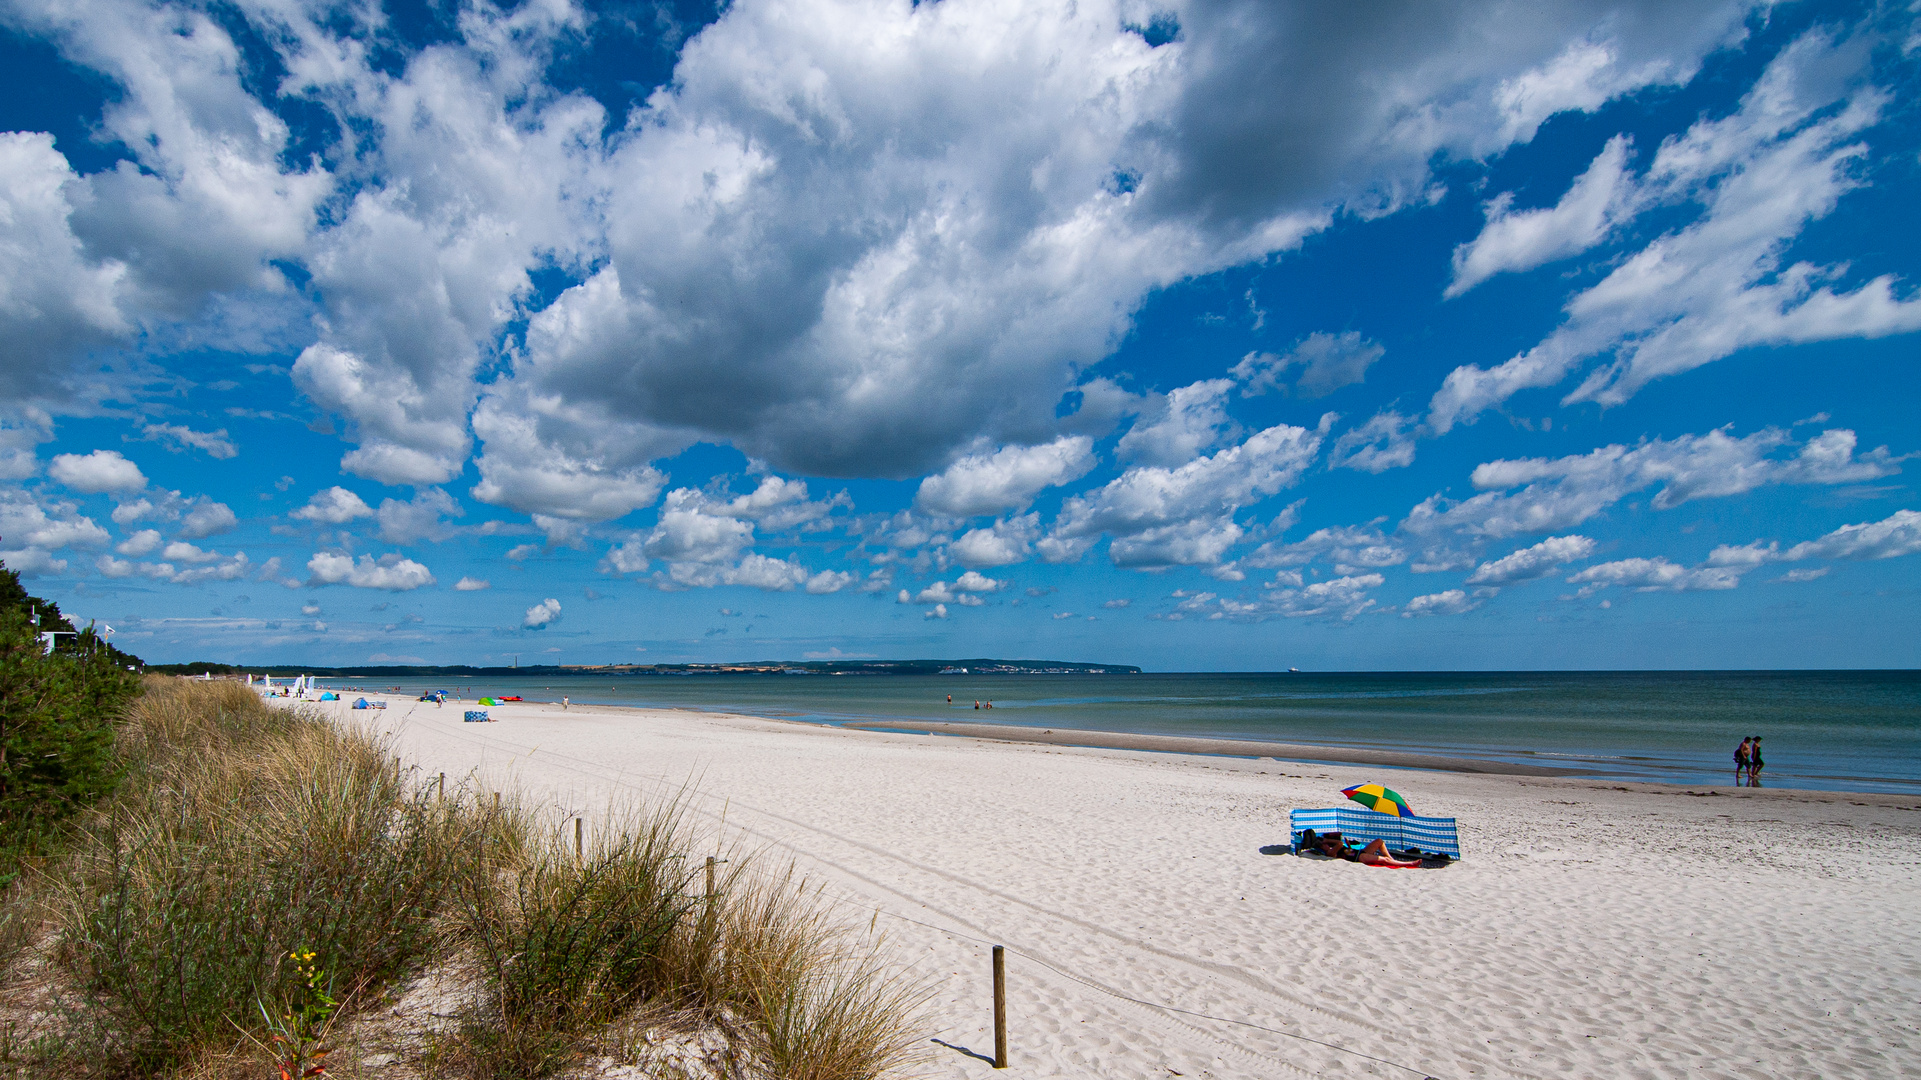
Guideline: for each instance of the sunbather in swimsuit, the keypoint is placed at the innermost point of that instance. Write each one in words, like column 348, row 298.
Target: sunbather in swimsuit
column 1374, row 854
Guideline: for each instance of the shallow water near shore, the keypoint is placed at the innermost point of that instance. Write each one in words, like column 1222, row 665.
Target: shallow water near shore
column 1828, row 730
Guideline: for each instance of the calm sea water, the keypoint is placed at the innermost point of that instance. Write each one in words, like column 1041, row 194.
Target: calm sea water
column 1838, row 730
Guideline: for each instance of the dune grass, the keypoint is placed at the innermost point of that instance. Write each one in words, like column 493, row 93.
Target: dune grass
column 265, row 872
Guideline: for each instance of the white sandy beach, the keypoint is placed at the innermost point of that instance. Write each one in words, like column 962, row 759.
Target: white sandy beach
column 1592, row 930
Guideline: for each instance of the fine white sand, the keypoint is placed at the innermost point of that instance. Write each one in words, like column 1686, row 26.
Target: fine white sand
column 1592, row 930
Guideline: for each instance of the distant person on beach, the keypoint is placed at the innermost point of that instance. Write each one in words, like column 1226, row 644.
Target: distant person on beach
column 1743, row 760
column 950, row 699
column 563, row 704
column 1755, row 763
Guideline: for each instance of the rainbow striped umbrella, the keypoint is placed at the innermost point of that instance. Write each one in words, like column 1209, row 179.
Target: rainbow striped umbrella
column 1379, row 799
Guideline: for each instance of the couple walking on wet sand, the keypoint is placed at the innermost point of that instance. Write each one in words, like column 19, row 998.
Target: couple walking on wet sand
column 1747, row 762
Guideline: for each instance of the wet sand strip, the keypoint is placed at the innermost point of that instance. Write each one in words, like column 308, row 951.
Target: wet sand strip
column 1179, row 744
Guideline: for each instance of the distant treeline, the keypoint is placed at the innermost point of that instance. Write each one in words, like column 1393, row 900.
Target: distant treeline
column 981, row 666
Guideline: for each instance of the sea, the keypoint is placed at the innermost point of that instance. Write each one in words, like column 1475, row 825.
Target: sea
column 1831, row 730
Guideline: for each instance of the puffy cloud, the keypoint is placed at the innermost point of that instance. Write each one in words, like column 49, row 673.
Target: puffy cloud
column 704, row 543
column 780, row 504
column 55, row 299
column 962, row 591
column 1654, row 575
column 334, row 506
column 18, row 437
column 1342, row 597
column 1121, row 603
column 1180, row 426
column 829, row 581
column 1007, row 479
column 102, row 470
column 1001, row 544
column 693, row 530
column 1533, row 562
column 1895, row 535
column 418, row 518
column 1450, row 602
column 545, row 613
column 1385, row 442
column 1692, row 297
column 390, row 572
column 1159, row 516
column 203, row 566
column 33, row 531
column 179, row 438
column 916, row 282
column 954, row 208
column 939, row 612
column 575, row 468
column 140, row 543
column 1327, row 362
column 973, row 581
column 471, row 584
column 1559, row 493
column 160, row 506
column 180, row 551
column 1346, row 546
column 755, row 570
column 207, row 518
column 1598, row 200
column 31, row 562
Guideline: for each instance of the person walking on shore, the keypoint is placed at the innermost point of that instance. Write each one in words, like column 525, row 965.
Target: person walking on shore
column 1754, row 762
column 1743, row 759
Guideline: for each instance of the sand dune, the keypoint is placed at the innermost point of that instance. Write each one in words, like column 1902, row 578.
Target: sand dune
column 1593, row 930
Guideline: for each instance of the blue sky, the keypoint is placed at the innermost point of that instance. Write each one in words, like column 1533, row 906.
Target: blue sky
column 1196, row 336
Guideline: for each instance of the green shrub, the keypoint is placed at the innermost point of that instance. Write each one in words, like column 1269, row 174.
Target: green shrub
column 57, row 716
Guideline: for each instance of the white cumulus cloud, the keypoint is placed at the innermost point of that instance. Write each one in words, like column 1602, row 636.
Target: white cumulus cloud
column 101, row 470
column 334, row 506
column 1007, row 479
column 545, row 613
column 390, row 572
column 1449, row 602
column 1530, row 563
column 1559, row 493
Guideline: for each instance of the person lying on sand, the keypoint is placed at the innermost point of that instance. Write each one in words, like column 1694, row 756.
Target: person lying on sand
column 1374, row 854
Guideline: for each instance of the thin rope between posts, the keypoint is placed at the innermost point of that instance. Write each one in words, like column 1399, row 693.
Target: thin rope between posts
column 1423, row 1073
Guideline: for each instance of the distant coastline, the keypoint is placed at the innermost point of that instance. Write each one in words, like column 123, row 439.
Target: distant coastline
column 975, row 666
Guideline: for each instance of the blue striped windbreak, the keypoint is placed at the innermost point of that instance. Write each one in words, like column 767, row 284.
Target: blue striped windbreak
column 1358, row 823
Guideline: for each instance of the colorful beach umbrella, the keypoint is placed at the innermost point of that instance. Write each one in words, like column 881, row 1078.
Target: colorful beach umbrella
column 1379, row 799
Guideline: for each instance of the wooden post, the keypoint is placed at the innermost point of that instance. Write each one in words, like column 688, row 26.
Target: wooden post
column 710, row 880
column 578, row 857
column 1000, row 1007
column 442, row 788
column 496, row 802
